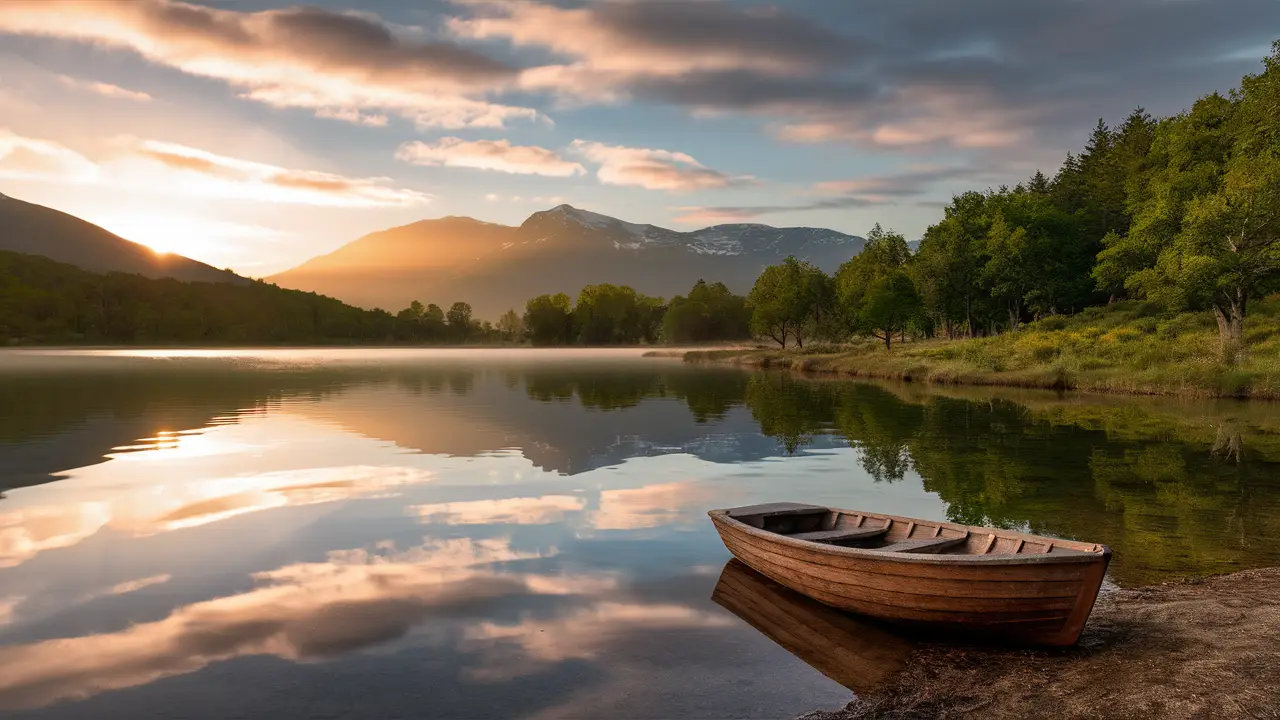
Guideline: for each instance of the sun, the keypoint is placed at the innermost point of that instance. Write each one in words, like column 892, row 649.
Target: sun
column 165, row 234
column 217, row 242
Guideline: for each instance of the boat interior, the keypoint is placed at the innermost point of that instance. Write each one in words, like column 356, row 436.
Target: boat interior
column 889, row 534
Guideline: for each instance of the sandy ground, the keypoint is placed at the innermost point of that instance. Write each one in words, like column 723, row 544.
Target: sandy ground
column 1196, row 649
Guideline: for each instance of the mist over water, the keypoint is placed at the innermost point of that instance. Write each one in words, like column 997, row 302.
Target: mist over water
column 444, row 533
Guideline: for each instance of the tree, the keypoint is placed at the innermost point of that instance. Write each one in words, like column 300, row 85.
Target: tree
column 789, row 300
column 1007, row 270
column 459, row 321
column 892, row 305
column 433, row 326
column 612, row 314
column 511, row 326
column 1205, row 219
column 709, row 313
column 549, row 320
column 884, row 253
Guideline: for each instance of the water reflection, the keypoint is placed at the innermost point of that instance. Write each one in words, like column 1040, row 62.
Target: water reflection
column 525, row 537
column 856, row 653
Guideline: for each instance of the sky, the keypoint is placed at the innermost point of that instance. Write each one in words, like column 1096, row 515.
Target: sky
column 255, row 135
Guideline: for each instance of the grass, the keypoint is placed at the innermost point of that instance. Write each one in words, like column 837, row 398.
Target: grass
column 1124, row 348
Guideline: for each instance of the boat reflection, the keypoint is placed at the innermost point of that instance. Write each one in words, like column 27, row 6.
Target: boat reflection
column 855, row 653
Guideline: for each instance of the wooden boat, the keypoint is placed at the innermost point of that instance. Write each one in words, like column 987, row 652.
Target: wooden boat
column 855, row 653
column 998, row 583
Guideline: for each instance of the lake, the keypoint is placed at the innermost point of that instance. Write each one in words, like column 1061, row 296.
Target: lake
column 519, row 533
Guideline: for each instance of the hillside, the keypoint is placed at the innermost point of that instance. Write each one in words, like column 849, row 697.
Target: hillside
column 45, row 301
column 496, row 267
column 37, row 230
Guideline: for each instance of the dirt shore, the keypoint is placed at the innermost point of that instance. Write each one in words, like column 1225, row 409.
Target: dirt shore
column 1207, row 648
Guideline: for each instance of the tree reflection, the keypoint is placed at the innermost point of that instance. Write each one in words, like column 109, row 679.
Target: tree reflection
column 1171, row 494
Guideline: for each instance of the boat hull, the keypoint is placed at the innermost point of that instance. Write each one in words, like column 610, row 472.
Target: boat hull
column 1042, row 599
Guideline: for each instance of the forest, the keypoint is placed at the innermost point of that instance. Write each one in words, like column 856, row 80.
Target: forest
column 43, row 301
column 1181, row 212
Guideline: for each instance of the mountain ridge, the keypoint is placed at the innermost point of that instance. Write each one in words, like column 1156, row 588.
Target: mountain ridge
column 496, row 267
column 33, row 229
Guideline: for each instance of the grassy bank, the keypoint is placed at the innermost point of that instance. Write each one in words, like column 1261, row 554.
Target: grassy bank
column 1125, row 348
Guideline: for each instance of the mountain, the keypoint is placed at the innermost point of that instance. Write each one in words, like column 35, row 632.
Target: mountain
column 37, row 230
column 496, row 267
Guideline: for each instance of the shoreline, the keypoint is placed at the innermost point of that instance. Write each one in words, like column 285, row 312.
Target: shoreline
column 914, row 369
column 1201, row 647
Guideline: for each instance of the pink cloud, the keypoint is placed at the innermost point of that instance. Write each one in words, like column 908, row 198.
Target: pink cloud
column 343, row 66
column 499, row 155
column 654, row 169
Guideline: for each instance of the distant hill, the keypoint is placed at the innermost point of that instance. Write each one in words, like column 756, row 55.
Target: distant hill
column 43, row 301
column 496, row 267
column 37, row 230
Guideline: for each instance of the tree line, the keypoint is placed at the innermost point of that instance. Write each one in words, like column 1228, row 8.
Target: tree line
column 1183, row 211
column 44, row 301
column 618, row 315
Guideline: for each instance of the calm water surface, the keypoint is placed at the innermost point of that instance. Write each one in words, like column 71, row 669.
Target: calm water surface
column 376, row 534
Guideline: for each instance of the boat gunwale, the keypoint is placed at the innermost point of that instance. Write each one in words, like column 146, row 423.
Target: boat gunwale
column 1090, row 555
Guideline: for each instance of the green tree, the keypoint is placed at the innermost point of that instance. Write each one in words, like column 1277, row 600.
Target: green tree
column 892, row 305
column 549, row 320
column 433, row 324
column 710, row 313
column 789, row 300
column 511, row 326
column 617, row 315
column 1007, row 270
column 1207, row 217
column 884, row 253
column 459, row 321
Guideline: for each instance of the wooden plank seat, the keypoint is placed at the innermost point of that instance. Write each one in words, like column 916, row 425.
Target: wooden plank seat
column 775, row 510
column 844, row 535
column 927, row 545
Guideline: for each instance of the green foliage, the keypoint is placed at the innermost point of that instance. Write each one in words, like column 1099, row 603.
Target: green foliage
column 616, row 315
column 890, row 307
column 710, row 313
column 511, row 326
column 51, row 302
column 549, row 320
column 791, row 300
column 459, row 321
column 885, row 253
column 1206, row 227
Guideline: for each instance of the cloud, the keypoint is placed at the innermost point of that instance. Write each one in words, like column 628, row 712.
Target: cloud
column 25, row 158
column 499, row 155
column 654, row 169
column 354, row 116
column 173, row 169
column 507, row 511
column 7, row 607
column 613, row 43
column 584, row 634
column 136, row 585
column 909, row 182
column 339, row 65
column 29, row 531
column 863, row 192
column 190, row 171
column 701, row 214
column 648, row 506
column 298, row 612
column 105, row 89
column 978, row 76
